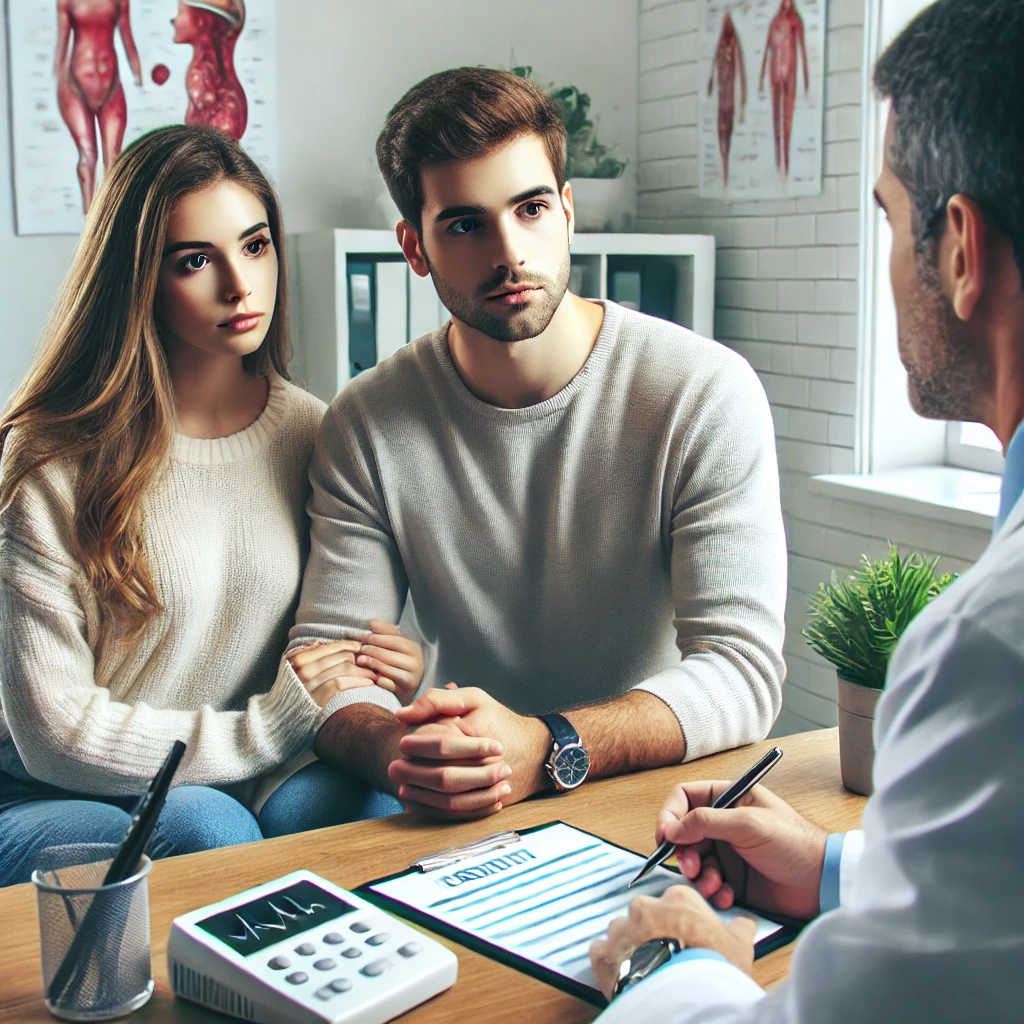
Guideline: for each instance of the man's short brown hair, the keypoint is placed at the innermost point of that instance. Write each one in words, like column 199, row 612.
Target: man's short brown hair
column 457, row 115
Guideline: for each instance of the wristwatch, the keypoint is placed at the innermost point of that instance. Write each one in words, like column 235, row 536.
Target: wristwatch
column 644, row 960
column 568, row 762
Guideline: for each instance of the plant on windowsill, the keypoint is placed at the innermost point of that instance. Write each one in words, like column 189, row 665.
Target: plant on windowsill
column 855, row 624
column 593, row 169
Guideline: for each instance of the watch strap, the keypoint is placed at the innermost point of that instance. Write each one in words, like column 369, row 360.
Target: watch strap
column 630, row 972
column 561, row 729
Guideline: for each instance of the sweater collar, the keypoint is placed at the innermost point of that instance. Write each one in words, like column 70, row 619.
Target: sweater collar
column 241, row 445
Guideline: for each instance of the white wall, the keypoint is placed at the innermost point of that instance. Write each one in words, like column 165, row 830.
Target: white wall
column 342, row 65
column 786, row 298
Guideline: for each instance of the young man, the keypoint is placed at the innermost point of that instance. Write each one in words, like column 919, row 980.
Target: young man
column 923, row 912
column 582, row 501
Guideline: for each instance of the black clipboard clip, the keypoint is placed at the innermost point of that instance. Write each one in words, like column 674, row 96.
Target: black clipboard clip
column 456, row 853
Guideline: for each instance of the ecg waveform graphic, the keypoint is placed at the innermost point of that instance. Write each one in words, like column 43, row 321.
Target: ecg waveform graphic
column 283, row 916
column 279, row 915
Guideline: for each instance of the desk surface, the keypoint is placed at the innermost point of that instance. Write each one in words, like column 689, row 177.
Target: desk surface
column 621, row 810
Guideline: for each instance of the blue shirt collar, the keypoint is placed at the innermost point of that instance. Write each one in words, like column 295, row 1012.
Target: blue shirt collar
column 1013, row 476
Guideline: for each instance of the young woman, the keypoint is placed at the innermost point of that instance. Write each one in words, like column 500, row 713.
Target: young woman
column 153, row 527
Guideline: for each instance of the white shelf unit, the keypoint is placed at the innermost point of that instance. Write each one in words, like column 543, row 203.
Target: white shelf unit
column 359, row 302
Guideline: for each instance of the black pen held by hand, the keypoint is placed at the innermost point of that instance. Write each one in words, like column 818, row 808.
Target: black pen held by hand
column 730, row 797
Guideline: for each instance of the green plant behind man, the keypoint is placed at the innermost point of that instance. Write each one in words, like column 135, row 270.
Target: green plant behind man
column 585, row 156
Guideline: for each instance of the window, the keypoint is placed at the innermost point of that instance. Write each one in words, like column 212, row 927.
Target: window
column 890, row 434
column 973, row 446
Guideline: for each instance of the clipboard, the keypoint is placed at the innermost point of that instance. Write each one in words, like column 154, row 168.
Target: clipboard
column 521, row 899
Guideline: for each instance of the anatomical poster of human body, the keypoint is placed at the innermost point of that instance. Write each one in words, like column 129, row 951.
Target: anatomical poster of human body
column 88, row 77
column 761, row 66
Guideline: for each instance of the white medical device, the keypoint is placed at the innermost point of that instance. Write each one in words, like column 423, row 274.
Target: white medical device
column 304, row 951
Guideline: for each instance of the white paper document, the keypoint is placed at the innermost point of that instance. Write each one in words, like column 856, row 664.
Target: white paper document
column 545, row 898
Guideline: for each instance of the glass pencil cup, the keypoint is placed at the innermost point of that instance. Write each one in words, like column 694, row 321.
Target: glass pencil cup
column 104, row 928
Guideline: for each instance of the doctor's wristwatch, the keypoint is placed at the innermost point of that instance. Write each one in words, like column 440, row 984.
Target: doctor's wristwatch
column 568, row 762
column 644, row 961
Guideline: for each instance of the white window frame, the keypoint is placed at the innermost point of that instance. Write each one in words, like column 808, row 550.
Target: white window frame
column 970, row 456
column 889, row 434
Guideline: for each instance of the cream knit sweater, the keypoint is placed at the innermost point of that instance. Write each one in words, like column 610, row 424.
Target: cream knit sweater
column 227, row 537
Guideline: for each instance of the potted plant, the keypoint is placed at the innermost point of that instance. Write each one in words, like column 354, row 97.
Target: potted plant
column 593, row 170
column 855, row 624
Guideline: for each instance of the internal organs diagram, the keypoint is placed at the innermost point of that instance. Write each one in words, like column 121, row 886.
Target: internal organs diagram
column 89, row 91
column 785, row 34
column 216, row 98
column 728, row 63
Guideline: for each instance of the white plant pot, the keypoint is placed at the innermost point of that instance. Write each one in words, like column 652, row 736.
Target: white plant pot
column 856, row 742
column 599, row 203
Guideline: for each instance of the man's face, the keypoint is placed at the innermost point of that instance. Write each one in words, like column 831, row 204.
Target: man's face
column 495, row 234
column 945, row 367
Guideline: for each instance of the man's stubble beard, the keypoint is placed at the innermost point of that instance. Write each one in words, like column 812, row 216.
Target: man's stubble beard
column 520, row 323
column 949, row 372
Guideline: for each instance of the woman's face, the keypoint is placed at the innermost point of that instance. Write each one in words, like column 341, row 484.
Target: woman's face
column 218, row 275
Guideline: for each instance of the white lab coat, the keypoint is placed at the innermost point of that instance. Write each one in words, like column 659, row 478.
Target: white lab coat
column 931, row 919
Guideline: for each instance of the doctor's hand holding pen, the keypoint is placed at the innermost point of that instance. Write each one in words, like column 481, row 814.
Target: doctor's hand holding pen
column 759, row 853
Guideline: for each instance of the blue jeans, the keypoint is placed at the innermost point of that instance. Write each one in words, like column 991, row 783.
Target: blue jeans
column 318, row 796
column 34, row 816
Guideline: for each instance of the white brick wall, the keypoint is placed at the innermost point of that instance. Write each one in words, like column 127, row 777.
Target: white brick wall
column 786, row 298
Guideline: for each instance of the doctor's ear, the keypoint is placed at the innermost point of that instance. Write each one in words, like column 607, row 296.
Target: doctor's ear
column 409, row 241
column 570, row 210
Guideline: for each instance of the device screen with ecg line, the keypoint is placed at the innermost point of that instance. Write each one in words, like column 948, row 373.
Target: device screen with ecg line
column 253, row 926
column 539, row 904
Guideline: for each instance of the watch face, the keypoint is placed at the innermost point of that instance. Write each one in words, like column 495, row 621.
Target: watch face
column 570, row 765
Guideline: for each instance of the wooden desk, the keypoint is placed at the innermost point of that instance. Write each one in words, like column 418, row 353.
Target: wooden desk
column 622, row 810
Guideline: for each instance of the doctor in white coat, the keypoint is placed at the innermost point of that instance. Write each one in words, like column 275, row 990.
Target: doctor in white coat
column 921, row 916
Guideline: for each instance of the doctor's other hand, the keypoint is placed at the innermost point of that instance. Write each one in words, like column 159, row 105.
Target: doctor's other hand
column 397, row 660
column 326, row 669
column 760, row 853
column 680, row 913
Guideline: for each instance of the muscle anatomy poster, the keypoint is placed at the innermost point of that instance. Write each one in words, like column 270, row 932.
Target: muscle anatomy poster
column 87, row 77
column 761, row 78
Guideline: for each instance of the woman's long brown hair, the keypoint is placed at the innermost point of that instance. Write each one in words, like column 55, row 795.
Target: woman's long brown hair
column 99, row 392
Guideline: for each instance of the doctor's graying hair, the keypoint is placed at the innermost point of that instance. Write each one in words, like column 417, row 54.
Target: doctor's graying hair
column 99, row 392
column 955, row 76
column 458, row 115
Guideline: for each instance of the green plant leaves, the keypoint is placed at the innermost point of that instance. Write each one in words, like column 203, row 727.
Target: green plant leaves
column 585, row 156
column 856, row 621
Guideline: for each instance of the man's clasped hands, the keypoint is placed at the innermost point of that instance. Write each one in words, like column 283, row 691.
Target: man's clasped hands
column 456, row 752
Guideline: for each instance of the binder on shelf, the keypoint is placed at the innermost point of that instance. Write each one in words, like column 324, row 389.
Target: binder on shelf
column 392, row 308
column 362, row 339
column 426, row 311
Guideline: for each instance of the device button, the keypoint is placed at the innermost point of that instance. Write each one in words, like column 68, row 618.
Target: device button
column 340, row 984
column 334, row 938
column 376, row 968
column 325, row 993
column 352, row 952
column 360, row 927
column 326, row 964
column 410, row 949
column 297, row 977
column 279, row 963
column 378, row 940
column 306, row 949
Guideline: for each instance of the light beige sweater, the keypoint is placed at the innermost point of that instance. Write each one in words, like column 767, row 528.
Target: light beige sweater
column 226, row 537
column 625, row 533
